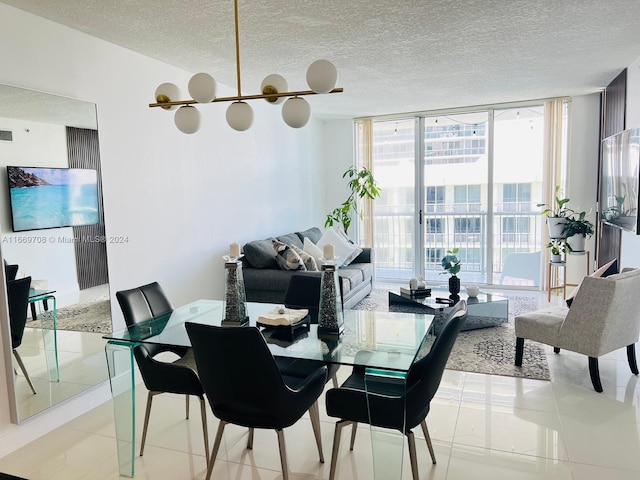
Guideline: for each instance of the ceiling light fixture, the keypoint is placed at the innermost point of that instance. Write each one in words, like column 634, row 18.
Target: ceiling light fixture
column 296, row 111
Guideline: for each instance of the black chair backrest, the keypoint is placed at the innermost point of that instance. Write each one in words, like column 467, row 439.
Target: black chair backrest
column 10, row 271
column 304, row 292
column 425, row 375
column 240, row 377
column 141, row 304
column 18, row 299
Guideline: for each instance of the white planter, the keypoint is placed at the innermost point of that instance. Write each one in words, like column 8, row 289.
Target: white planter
column 556, row 258
column 576, row 242
column 556, row 225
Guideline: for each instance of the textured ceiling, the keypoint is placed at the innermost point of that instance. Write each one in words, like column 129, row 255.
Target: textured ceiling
column 392, row 57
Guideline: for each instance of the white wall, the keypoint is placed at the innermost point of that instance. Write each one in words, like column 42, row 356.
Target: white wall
column 582, row 170
column 338, row 157
column 630, row 256
column 179, row 200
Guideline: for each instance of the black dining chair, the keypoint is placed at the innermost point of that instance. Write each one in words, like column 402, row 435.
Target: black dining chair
column 10, row 271
column 303, row 291
column 244, row 386
column 180, row 376
column 389, row 405
column 18, row 299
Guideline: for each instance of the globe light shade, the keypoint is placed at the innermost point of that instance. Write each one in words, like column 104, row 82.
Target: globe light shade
column 187, row 119
column 202, row 88
column 322, row 76
column 168, row 92
column 240, row 116
column 274, row 83
column 296, row 112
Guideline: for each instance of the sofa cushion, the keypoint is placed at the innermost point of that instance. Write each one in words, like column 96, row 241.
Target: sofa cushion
column 353, row 275
column 286, row 257
column 314, row 234
column 260, row 254
column 290, row 239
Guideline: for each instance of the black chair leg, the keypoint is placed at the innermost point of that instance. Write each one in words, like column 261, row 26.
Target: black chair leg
column 595, row 374
column 631, row 357
column 519, row 351
column 556, row 350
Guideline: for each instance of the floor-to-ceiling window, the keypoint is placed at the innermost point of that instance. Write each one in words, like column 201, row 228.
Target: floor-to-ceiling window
column 460, row 180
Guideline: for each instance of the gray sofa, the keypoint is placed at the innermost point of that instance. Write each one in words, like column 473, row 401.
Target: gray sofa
column 265, row 282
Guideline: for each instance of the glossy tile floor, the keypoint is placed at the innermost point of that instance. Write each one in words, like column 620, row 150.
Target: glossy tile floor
column 482, row 427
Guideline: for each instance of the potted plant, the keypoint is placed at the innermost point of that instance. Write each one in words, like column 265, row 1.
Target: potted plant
column 451, row 265
column 362, row 185
column 557, row 247
column 556, row 215
column 576, row 229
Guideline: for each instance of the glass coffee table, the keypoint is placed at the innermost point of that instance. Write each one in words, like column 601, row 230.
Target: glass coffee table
column 485, row 310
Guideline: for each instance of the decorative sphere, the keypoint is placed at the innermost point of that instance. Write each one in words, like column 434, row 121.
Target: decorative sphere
column 274, row 83
column 296, row 112
column 167, row 92
column 187, row 119
column 322, row 76
column 240, row 116
column 202, row 88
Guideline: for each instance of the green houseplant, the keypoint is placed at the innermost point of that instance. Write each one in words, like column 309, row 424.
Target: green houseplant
column 362, row 185
column 451, row 264
column 576, row 230
column 556, row 214
column 557, row 247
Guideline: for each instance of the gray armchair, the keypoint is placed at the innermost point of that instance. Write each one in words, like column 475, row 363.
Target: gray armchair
column 604, row 316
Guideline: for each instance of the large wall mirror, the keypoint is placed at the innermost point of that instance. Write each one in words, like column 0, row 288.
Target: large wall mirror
column 52, row 230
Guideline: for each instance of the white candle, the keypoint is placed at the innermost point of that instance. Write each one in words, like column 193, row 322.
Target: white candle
column 329, row 251
column 234, row 250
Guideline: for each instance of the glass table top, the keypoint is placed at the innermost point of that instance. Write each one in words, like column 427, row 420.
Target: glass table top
column 391, row 341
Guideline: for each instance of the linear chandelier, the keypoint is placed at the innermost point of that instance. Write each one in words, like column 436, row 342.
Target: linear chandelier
column 296, row 111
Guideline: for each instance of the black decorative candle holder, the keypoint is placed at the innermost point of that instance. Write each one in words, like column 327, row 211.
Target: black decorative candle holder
column 330, row 314
column 235, row 298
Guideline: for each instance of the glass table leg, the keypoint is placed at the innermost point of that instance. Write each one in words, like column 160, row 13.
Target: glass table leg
column 387, row 445
column 50, row 341
column 121, row 377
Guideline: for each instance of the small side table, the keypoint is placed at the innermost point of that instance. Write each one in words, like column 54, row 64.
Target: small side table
column 553, row 274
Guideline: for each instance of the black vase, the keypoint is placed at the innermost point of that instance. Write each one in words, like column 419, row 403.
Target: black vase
column 454, row 285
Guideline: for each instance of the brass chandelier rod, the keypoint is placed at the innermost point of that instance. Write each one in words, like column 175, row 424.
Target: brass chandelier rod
column 300, row 93
column 235, row 8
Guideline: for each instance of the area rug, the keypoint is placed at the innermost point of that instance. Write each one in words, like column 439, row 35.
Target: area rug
column 487, row 350
column 92, row 317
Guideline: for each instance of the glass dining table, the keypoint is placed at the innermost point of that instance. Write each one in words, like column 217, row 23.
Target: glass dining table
column 49, row 329
column 392, row 342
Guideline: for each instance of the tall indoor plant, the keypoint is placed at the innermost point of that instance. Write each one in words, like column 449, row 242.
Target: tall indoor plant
column 362, row 185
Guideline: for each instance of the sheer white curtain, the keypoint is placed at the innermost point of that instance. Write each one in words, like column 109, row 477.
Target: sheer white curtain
column 552, row 168
column 364, row 158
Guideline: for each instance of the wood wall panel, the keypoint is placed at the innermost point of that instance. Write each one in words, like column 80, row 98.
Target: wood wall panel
column 91, row 251
column 614, row 106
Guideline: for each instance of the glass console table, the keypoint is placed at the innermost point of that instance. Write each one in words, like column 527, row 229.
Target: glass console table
column 393, row 341
column 49, row 330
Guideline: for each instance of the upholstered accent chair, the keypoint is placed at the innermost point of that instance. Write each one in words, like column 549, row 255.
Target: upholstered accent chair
column 604, row 316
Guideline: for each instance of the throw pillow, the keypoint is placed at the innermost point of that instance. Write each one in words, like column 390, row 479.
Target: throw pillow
column 313, row 250
column 607, row 269
column 286, row 257
column 309, row 262
column 260, row 254
column 345, row 252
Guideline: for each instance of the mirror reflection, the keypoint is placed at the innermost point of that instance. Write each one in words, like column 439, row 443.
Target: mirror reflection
column 52, row 238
